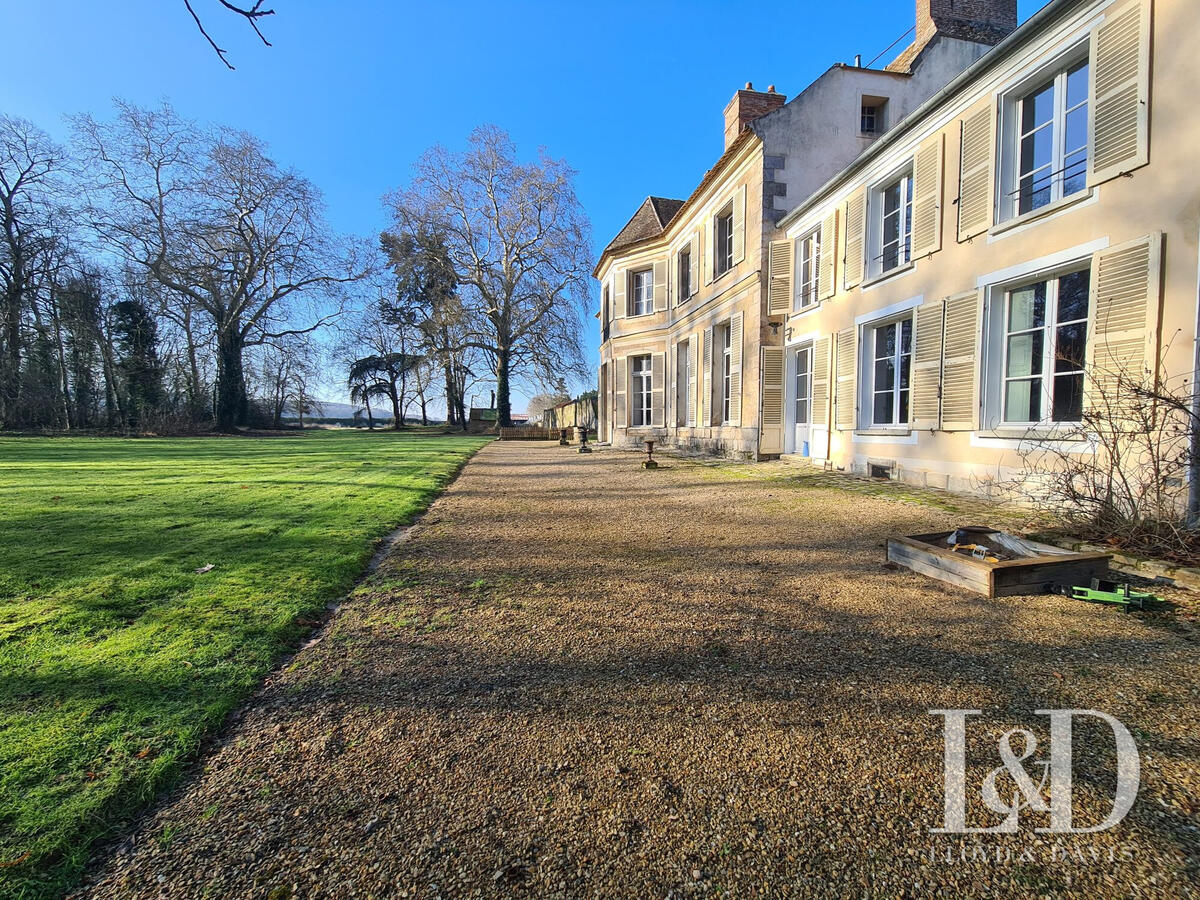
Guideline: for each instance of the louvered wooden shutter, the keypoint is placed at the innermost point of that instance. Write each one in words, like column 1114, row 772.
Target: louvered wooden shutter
column 779, row 286
column 847, row 376
column 926, row 403
column 603, row 396
column 694, row 261
column 672, row 399
column 856, row 226
column 658, row 391
column 706, row 379
column 770, row 440
column 706, row 243
column 660, row 285
column 618, row 291
column 693, row 341
column 1119, row 112
column 735, row 369
column 739, row 225
column 827, row 263
column 820, row 382
column 620, row 410
column 1124, row 311
column 976, row 172
column 927, row 198
column 962, row 330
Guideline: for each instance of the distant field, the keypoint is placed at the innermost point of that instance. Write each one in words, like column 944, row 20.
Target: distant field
column 116, row 657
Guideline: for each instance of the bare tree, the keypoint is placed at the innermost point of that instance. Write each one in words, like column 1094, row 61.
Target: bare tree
column 30, row 165
column 250, row 13
column 213, row 219
column 519, row 243
column 1122, row 472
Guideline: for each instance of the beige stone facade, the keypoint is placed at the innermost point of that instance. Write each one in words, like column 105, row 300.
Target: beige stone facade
column 1032, row 273
column 964, row 285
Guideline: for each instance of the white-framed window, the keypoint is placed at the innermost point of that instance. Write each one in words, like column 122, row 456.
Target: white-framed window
column 803, row 385
column 808, row 261
column 891, row 223
column 684, row 270
column 723, row 241
column 641, row 385
column 1045, row 342
column 1045, row 138
column 888, row 379
column 641, row 294
column 726, row 371
column 683, row 377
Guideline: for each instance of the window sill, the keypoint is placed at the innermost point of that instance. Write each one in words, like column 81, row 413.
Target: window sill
column 804, row 310
column 890, row 273
column 1034, row 433
column 1035, row 214
column 888, row 432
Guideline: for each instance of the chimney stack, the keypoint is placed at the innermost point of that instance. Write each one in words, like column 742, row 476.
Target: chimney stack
column 982, row 21
column 748, row 105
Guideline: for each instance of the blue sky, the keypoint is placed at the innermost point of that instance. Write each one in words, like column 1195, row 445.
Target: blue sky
column 352, row 92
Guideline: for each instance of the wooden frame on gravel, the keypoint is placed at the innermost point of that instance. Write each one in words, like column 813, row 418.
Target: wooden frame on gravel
column 929, row 555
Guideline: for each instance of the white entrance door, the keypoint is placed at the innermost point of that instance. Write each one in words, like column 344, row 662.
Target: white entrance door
column 802, row 392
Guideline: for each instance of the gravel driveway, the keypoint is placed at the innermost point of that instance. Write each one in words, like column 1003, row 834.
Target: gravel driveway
column 579, row 677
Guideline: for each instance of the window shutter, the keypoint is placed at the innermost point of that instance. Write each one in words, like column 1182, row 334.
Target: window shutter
column 660, row 285
column 735, row 369
column 927, row 367
column 694, row 261
column 779, row 286
column 671, row 414
column 1124, row 311
column 706, row 379
column 706, row 242
column 820, row 382
column 620, row 411
column 770, row 438
column 927, row 197
column 827, row 264
column 739, row 225
column 619, row 310
column 856, row 226
column 847, row 376
column 962, row 330
column 976, row 172
column 693, row 342
column 658, row 393
column 1119, row 112
column 602, row 395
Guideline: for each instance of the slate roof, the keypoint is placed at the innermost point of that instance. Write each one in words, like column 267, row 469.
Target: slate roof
column 649, row 221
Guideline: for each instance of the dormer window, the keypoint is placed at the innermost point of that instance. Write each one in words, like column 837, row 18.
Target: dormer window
column 872, row 116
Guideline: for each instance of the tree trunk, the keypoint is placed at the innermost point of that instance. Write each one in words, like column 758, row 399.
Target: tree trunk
column 232, row 404
column 424, row 418
column 503, row 403
column 196, row 400
column 397, row 419
column 60, row 348
column 370, row 417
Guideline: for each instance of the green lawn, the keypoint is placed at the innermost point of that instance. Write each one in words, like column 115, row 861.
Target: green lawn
column 115, row 656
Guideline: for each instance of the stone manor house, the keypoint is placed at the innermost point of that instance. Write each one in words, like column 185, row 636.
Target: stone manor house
column 909, row 271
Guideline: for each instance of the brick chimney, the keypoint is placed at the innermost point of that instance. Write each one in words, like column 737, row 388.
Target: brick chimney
column 982, row 21
column 748, row 105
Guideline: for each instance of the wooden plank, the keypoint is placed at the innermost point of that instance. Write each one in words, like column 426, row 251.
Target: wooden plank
column 952, row 568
